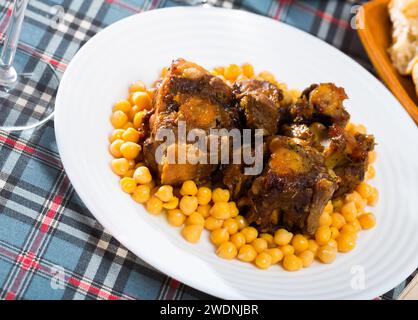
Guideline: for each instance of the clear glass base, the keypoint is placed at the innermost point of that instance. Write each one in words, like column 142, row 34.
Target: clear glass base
column 27, row 101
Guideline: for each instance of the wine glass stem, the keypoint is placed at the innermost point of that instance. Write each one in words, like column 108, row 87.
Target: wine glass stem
column 7, row 72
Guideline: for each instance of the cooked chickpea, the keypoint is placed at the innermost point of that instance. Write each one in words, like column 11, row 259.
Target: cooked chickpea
column 346, row 242
column 356, row 225
column 137, row 86
column 232, row 72
column 268, row 76
column 367, row 220
column 348, row 228
column 137, row 119
column 188, row 204
column 333, row 243
column 250, row 234
column 172, row 203
column 231, row 225
column 337, row 203
column 349, row 211
column 325, row 219
column 227, row 250
column 175, row 217
column 326, row 254
column 233, row 210
column 219, row 236
column 151, row 92
column 142, row 175
column 212, row 223
column 307, row 258
column 220, row 195
column 131, row 135
column 119, row 119
column 120, row 166
column 114, row 148
column 323, row 235
column 122, row 105
column 269, row 238
column 188, row 188
column 276, row 255
column 128, row 184
column 338, row 220
column 329, row 207
column 141, row 100
column 129, row 173
column 218, row 71
column 263, row 260
column 370, row 173
column 238, row 239
column 300, row 243
column 131, row 114
column 131, row 164
column 292, row 263
column 204, row 195
column 282, row 237
column 128, row 125
column 313, row 246
column 259, row 245
column 220, row 210
column 372, row 156
column 130, row 150
column 154, row 205
column 164, row 71
column 247, row 70
column 334, row 232
column 354, row 197
column 116, row 134
column 164, row 193
column 374, row 196
column 247, row 253
column 141, row 194
column 195, row 218
column 192, row 232
column 242, row 222
column 204, row 210
column 287, row 249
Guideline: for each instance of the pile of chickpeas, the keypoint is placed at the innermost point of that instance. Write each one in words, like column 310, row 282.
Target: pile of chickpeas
column 194, row 209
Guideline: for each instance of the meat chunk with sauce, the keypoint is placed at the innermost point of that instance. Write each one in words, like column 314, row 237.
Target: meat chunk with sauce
column 259, row 103
column 348, row 155
column 321, row 103
column 293, row 189
column 190, row 94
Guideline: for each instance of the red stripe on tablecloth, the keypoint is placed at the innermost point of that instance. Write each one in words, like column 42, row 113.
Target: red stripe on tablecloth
column 174, row 284
column 341, row 23
column 92, row 289
column 49, row 217
column 21, row 146
column 123, row 5
column 56, row 203
column 44, row 56
column 16, row 144
column 10, row 296
column 60, row 64
column 25, row 261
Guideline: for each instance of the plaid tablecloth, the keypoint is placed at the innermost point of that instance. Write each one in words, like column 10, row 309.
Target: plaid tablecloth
column 51, row 247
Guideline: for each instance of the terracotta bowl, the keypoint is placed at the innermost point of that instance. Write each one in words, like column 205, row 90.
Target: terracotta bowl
column 375, row 28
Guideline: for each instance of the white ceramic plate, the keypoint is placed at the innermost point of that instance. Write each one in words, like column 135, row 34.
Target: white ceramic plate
column 136, row 48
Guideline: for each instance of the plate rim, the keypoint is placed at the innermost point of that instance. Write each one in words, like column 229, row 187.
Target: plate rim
column 151, row 260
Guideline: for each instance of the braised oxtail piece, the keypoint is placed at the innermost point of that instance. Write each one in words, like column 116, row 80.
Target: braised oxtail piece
column 191, row 94
column 293, row 189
